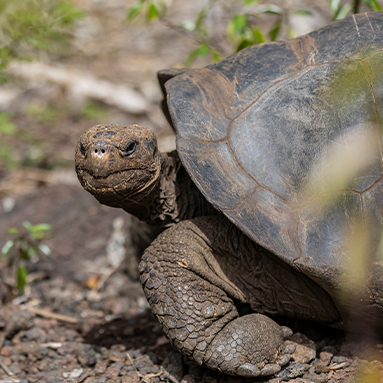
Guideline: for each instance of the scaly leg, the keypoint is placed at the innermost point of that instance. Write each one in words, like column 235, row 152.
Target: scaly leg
column 187, row 282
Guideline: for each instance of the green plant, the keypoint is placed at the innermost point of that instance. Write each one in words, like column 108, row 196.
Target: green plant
column 27, row 245
column 338, row 10
column 242, row 19
column 30, row 25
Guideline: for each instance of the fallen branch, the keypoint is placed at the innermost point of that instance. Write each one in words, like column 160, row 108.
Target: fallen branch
column 50, row 314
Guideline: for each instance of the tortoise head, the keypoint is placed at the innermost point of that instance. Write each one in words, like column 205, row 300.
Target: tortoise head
column 118, row 163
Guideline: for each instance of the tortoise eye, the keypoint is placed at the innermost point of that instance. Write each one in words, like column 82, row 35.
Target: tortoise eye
column 82, row 149
column 130, row 149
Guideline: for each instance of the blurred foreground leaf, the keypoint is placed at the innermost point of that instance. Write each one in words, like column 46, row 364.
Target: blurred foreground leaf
column 373, row 5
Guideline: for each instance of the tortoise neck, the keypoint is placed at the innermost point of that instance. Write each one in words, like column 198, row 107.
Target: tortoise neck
column 174, row 197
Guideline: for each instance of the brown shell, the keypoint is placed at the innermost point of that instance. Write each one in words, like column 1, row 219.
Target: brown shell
column 256, row 129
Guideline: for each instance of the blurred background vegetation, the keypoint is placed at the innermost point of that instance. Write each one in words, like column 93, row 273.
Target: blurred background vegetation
column 66, row 65
column 57, row 32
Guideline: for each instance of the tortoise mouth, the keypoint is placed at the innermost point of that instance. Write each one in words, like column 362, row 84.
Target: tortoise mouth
column 116, row 187
column 105, row 182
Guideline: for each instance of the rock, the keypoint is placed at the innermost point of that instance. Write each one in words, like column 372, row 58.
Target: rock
column 35, row 333
column 329, row 349
column 325, row 358
column 114, row 370
column 305, row 350
column 293, row 370
column 188, row 379
column 130, row 379
column 15, row 319
column 86, row 355
column 339, row 359
column 315, row 378
column 75, row 373
column 173, row 365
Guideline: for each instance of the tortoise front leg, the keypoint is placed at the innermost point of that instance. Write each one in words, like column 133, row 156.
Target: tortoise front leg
column 185, row 282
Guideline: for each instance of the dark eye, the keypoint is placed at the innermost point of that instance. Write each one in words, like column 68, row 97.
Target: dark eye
column 130, row 149
column 82, row 149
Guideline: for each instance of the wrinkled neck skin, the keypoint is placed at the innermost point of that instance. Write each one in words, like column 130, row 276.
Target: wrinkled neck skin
column 173, row 197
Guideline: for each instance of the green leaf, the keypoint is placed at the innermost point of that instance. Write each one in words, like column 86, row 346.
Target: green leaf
column 21, row 278
column 188, row 25
column 45, row 249
column 343, row 12
column 13, row 230
column 201, row 51
column 201, row 17
column 270, row 8
column 135, row 10
column 244, row 43
column 376, row 6
column 248, row 3
column 273, row 34
column 216, row 56
column 373, row 4
column 237, row 26
column 153, row 12
column 7, row 248
column 334, row 6
column 41, row 227
column 27, row 225
column 258, row 35
column 303, row 12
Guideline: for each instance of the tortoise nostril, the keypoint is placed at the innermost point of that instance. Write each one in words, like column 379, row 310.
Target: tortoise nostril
column 100, row 151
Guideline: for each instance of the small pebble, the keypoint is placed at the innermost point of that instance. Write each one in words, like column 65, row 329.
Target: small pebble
column 293, row 370
column 339, row 359
column 325, row 358
column 315, row 378
column 305, row 350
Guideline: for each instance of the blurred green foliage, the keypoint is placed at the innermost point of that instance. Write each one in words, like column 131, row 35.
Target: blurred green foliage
column 94, row 111
column 27, row 245
column 42, row 113
column 242, row 18
column 30, row 25
column 27, row 152
column 7, row 128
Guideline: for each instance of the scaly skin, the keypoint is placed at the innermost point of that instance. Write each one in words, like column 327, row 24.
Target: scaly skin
column 191, row 282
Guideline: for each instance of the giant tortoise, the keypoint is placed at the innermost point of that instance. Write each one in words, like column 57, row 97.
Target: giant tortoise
column 251, row 200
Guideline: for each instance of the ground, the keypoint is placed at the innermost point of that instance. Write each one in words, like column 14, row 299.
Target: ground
column 83, row 317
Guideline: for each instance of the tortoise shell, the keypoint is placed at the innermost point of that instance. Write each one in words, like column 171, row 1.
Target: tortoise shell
column 255, row 130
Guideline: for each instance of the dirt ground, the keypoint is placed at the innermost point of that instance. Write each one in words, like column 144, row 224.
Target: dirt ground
column 83, row 317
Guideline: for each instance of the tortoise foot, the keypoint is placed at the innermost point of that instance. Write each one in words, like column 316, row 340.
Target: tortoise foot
column 249, row 346
column 193, row 301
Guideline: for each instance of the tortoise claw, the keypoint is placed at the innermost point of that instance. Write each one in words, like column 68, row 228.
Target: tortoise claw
column 247, row 370
column 287, row 332
column 270, row 369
